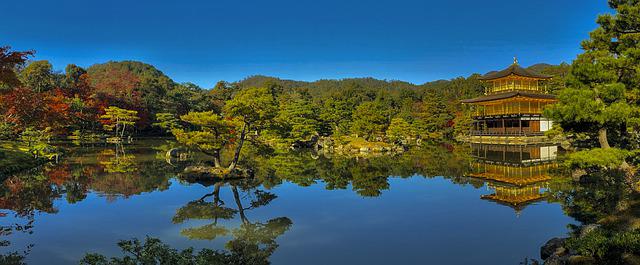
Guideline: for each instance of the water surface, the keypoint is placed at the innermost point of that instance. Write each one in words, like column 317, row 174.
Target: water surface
column 434, row 205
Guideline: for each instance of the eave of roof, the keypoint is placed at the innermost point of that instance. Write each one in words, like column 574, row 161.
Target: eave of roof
column 508, row 95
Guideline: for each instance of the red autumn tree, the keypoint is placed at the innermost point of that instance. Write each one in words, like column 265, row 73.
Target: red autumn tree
column 9, row 60
column 23, row 107
column 57, row 113
column 117, row 84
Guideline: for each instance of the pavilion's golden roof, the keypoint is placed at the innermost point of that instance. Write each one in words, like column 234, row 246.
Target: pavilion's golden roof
column 514, row 69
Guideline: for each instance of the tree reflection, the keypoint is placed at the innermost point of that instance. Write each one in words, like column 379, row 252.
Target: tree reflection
column 597, row 196
column 367, row 176
column 117, row 160
column 23, row 196
column 115, row 173
column 253, row 242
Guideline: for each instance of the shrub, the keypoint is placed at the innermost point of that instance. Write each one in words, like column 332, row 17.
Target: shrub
column 6, row 131
column 153, row 251
column 606, row 246
column 597, row 158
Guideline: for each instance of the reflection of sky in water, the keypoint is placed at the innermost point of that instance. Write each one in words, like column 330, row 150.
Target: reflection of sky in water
column 417, row 221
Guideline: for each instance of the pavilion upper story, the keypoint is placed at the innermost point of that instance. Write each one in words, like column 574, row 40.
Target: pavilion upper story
column 515, row 78
column 512, row 91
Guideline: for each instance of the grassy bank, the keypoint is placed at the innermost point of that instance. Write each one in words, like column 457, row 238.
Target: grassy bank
column 12, row 161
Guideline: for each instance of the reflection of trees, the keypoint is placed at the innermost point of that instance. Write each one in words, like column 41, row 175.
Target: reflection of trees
column 24, row 195
column 117, row 160
column 118, row 173
column 14, row 257
column 108, row 172
column 367, row 176
column 252, row 242
column 597, row 196
column 294, row 167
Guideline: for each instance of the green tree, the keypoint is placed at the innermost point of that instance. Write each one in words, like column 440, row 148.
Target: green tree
column 37, row 141
column 337, row 113
column 255, row 107
column 38, row 76
column 299, row 118
column 603, row 90
column 400, row 130
column 73, row 73
column 117, row 120
column 167, row 121
column 462, row 123
column 186, row 97
column 369, row 119
column 433, row 115
column 210, row 133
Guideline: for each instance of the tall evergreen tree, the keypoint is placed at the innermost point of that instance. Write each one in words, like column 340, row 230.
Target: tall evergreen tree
column 603, row 90
column 369, row 119
column 299, row 118
column 255, row 107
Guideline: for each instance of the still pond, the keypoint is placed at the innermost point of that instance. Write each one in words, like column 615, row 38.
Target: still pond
column 439, row 204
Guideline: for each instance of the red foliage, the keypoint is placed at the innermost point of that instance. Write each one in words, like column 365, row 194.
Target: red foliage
column 59, row 174
column 8, row 61
column 117, row 84
column 24, row 107
column 58, row 112
column 450, row 123
column 81, row 88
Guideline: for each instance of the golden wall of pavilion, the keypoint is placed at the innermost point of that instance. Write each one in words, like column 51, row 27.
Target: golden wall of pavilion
column 512, row 106
column 515, row 83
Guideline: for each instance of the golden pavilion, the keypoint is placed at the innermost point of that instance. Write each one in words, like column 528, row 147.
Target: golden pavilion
column 511, row 108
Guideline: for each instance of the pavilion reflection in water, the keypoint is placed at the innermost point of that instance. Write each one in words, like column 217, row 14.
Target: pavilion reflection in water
column 518, row 175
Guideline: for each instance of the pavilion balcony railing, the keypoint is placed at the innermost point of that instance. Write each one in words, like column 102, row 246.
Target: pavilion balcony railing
column 511, row 88
column 506, row 113
column 506, row 133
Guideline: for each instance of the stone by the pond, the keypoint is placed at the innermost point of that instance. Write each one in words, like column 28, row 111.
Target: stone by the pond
column 631, row 259
column 556, row 260
column 551, row 247
column 581, row 260
column 208, row 173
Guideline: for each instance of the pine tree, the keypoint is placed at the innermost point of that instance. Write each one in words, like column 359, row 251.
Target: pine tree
column 603, row 90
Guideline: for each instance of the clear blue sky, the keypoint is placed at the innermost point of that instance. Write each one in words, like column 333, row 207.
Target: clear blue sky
column 210, row 40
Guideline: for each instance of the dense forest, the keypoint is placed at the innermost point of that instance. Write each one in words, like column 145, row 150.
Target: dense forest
column 37, row 101
column 115, row 101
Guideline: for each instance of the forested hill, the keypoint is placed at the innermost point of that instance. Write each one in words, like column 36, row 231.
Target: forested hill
column 261, row 80
column 75, row 100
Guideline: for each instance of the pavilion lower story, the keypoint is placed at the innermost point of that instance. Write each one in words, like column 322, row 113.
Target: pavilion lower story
column 510, row 126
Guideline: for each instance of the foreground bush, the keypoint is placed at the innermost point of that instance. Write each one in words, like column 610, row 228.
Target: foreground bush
column 152, row 251
column 606, row 246
column 597, row 158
